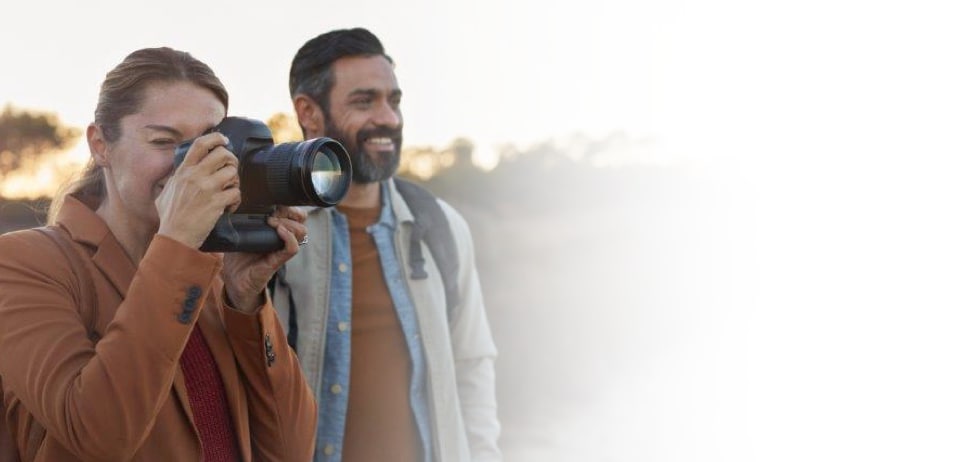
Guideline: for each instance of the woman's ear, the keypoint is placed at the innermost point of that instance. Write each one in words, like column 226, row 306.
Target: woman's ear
column 98, row 145
column 309, row 115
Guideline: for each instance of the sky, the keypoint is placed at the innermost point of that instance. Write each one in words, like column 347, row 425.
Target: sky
column 497, row 72
column 828, row 140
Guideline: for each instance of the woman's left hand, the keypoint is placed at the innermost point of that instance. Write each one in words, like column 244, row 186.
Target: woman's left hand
column 246, row 274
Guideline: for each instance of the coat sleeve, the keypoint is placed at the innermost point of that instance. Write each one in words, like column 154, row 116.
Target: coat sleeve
column 474, row 351
column 282, row 409
column 72, row 387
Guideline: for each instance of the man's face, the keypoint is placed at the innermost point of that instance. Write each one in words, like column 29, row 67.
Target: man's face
column 365, row 116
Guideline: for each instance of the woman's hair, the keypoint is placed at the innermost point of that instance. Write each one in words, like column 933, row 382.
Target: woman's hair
column 122, row 94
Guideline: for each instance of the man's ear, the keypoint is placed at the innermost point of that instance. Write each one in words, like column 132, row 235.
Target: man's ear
column 310, row 115
column 98, row 145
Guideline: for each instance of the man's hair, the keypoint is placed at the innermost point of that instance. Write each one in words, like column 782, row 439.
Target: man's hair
column 310, row 72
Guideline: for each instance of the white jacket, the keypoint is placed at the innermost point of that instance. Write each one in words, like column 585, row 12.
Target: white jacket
column 459, row 352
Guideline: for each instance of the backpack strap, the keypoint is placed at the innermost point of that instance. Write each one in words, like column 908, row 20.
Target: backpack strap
column 88, row 302
column 293, row 327
column 431, row 226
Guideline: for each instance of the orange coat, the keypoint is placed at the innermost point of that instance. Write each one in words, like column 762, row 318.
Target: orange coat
column 125, row 398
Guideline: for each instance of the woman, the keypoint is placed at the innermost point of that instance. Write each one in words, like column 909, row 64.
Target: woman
column 189, row 361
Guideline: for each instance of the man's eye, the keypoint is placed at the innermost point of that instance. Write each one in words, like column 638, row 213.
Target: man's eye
column 361, row 102
column 162, row 142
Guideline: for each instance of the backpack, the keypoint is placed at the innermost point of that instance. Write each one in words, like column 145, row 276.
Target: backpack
column 431, row 226
column 87, row 307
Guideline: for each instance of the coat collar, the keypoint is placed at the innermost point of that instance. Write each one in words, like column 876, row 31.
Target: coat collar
column 78, row 218
column 401, row 210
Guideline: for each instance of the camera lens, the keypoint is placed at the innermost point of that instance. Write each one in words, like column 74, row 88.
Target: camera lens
column 313, row 172
column 328, row 178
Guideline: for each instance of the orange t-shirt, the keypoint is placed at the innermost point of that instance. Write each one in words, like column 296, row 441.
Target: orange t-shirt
column 380, row 424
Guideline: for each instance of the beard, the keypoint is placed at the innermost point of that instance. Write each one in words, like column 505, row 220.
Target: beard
column 368, row 168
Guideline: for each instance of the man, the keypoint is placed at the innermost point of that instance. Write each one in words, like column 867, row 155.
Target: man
column 399, row 374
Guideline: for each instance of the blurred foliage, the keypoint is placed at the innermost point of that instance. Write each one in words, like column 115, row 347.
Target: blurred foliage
column 26, row 134
column 554, row 174
column 573, row 170
column 284, row 127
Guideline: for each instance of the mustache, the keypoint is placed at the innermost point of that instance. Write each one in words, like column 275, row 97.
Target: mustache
column 379, row 132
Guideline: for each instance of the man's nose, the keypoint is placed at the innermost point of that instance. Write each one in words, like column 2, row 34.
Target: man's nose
column 387, row 116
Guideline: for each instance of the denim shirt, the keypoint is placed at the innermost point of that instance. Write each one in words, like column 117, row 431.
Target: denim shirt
column 336, row 371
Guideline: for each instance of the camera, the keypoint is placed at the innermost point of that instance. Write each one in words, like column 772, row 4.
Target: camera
column 312, row 172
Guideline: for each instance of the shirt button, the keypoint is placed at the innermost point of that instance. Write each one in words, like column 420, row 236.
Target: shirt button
column 328, row 449
column 342, row 267
column 342, row 326
column 336, row 389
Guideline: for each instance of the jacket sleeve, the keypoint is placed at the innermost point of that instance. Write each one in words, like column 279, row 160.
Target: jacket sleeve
column 72, row 387
column 282, row 409
column 474, row 351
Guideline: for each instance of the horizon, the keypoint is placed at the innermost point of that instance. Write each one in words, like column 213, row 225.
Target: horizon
column 40, row 175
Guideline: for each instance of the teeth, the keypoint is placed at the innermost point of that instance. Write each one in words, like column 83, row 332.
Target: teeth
column 384, row 140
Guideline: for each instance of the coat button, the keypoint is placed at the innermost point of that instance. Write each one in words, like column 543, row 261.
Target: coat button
column 270, row 354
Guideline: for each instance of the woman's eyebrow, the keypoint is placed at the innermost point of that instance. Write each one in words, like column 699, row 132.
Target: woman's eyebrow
column 165, row 128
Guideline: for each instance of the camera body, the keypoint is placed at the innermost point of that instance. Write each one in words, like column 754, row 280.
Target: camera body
column 313, row 172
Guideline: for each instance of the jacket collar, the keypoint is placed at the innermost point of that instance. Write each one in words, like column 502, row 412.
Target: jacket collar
column 398, row 205
column 78, row 218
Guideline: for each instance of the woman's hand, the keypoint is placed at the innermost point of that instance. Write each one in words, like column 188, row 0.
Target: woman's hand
column 246, row 274
column 204, row 186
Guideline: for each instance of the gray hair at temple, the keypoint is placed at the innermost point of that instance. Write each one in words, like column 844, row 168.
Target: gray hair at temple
column 310, row 72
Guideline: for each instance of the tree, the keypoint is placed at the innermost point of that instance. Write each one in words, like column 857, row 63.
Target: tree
column 26, row 134
column 284, row 127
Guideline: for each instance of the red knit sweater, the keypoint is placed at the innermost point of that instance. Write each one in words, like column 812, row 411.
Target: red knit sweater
column 207, row 396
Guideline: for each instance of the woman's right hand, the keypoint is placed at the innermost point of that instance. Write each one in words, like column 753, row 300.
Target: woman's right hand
column 204, row 186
